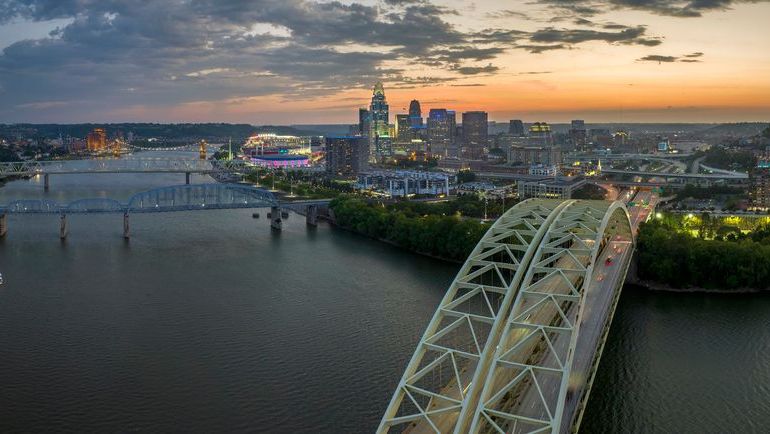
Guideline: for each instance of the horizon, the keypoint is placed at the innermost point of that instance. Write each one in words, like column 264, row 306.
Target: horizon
column 269, row 62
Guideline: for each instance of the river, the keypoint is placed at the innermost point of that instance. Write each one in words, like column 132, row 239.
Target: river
column 208, row 322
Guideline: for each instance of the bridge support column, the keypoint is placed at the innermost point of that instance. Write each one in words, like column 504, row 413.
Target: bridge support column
column 187, row 178
column 45, row 182
column 3, row 225
column 63, row 226
column 311, row 215
column 125, row 226
column 275, row 218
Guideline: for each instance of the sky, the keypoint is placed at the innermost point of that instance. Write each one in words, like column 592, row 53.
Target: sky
column 312, row 62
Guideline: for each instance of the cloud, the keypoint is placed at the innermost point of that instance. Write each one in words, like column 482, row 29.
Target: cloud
column 627, row 36
column 673, row 8
column 475, row 70
column 658, row 58
column 687, row 58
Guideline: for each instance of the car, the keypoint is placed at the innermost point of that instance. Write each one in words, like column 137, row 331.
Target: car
column 608, row 261
column 600, row 277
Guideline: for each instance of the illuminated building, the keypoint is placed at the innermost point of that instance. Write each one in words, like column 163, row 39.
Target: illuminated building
column 415, row 114
column 620, row 139
column 540, row 134
column 441, row 131
column 403, row 129
column 402, row 183
column 550, row 188
column 96, row 140
column 379, row 115
column 268, row 143
column 281, row 161
column 346, row 155
column 516, row 128
column 759, row 192
column 475, row 133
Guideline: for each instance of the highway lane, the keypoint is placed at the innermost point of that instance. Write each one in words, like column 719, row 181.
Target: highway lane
column 598, row 304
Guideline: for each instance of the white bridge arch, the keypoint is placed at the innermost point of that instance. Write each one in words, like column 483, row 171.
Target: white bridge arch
column 504, row 352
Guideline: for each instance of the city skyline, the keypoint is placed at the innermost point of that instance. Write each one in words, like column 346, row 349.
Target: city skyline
column 301, row 62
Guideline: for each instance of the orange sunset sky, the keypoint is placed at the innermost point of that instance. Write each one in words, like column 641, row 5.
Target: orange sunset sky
column 302, row 61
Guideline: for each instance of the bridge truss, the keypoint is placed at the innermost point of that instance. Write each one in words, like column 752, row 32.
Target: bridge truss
column 124, row 165
column 499, row 353
column 164, row 199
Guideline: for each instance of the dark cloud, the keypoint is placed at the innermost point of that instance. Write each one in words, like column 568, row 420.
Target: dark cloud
column 658, row 58
column 628, row 36
column 475, row 70
column 696, row 54
column 674, row 8
column 507, row 13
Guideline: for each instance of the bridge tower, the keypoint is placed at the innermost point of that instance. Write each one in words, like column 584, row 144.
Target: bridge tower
column 202, row 149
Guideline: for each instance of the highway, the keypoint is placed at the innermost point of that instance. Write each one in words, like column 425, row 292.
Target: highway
column 598, row 307
column 644, row 203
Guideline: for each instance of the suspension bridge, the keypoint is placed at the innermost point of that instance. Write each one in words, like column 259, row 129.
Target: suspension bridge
column 516, row 341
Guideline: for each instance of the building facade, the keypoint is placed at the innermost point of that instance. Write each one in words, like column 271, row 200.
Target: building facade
column 441, row 131
column 415, row 114
column 516, row 128
column 346, row 155
column 475, row 134
column 759, row 191
column 379, row 128
column 96, row 140
column 533, row 155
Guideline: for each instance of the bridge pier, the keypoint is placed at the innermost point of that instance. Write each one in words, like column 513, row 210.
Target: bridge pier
column 45, row 182
column 63, row 226
column 311, row 215
column 187, row 178
column 3, row 225
column 125, row 226
column 275, row 218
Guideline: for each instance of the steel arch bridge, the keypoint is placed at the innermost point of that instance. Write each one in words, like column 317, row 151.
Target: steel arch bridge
column 126, row 165
column 516, row 340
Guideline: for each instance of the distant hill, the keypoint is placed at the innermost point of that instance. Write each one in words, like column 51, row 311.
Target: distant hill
column 208, row 131
column 743, row 129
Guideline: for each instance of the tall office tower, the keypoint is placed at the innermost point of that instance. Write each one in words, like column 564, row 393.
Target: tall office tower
column 346, row 155
column 404, row 131
column 540, row 134
column 441, row 131
column 363, row 121
column 516, row 128
column 96, row 140
column 475, row 133
column 577, row 134
column 379, row 133
column 415, row 114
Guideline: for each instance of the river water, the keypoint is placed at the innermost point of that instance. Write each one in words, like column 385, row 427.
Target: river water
column 208, row 322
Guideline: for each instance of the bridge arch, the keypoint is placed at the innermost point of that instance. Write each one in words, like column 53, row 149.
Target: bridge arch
column 31, row 206
column 530, row 348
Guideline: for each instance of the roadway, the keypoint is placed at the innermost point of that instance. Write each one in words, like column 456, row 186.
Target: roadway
column 598, row 308
column 644, row 204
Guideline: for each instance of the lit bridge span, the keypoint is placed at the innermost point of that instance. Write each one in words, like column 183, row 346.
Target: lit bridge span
column 516, row 340
column 195, row 197
column 122, row 165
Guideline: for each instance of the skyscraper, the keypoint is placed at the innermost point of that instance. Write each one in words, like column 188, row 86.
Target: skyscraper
column 441, row 130
column 379, row 133
column 363, row 121
column 415, row 114
column 475, row 133
column 403, row 129
column 346, row 155
column 577, row 134
column 516, row 128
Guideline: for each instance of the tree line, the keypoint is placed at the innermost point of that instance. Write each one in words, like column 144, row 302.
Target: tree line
column 445, row 236
column 680, row 260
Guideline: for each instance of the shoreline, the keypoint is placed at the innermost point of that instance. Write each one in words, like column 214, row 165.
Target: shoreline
column 645, row 284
